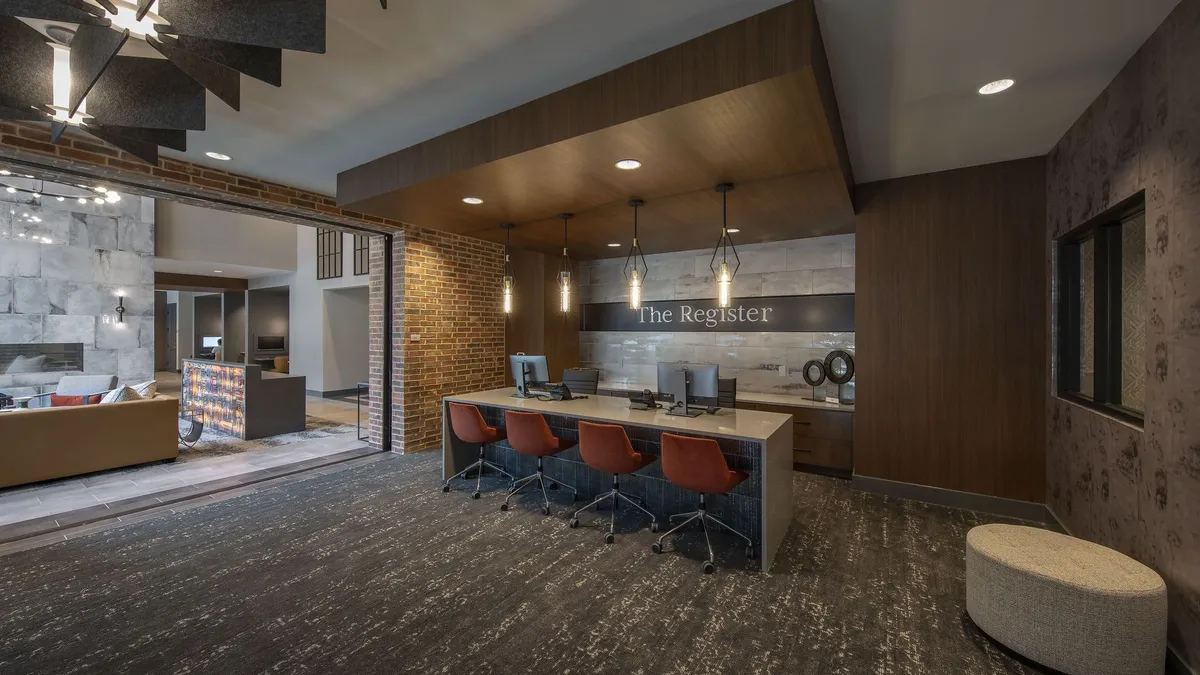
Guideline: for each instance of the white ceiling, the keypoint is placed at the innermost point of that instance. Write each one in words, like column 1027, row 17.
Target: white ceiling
column 208, row 269
column 391, row 79
column 907, row 74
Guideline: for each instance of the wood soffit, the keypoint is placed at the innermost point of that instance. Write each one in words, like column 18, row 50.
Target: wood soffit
column 751, row 103
column 199, row 283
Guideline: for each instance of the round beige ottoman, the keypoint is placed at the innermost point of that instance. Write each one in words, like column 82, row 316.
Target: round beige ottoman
column 1066, row 603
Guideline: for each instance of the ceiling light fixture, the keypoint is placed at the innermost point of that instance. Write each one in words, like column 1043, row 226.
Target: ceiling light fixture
column 10, row 190
column 629, row 164
column 509, row 279
column 722, row 271
column 219, row 155
column 636, row 268
column 995, row 87
column 564, row 270
column 615, row 244
column 216, row 271
column 472, row 200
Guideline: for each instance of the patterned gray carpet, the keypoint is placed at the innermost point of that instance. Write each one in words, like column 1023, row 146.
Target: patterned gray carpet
column 374, row 570
column 214, row 443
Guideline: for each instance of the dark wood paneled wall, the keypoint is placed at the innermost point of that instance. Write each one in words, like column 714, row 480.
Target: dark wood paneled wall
column 952, row 330
column 536, row 326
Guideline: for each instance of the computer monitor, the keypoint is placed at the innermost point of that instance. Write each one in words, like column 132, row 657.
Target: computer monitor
column 271, row 343
column 689, row 383
column 528, row 369
column 209, row 342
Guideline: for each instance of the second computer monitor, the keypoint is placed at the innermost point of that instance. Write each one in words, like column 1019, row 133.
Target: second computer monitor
column 702, row 380
column 532, row 365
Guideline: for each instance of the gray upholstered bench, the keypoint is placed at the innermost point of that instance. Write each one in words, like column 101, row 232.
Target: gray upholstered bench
column 1066, row 603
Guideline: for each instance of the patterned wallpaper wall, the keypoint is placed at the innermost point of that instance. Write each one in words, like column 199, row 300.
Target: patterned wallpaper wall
column 61, row 265
column 1135, row 490
column 761, row 362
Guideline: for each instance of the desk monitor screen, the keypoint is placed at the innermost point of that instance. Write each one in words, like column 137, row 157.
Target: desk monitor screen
column 209, row 342
column 701, row 378
column 535, row 370
column 270, row 343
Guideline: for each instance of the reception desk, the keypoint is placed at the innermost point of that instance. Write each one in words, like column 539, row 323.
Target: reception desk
column 759, row 443
column 242, row 400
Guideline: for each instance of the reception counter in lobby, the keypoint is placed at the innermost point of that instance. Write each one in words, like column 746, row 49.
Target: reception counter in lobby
column 759, row 443
column 242, row 400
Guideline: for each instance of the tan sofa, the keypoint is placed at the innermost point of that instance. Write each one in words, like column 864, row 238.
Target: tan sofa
column 48, row 443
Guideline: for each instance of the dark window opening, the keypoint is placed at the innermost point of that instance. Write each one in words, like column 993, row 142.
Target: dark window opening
column 329, row 253
column 362, row 260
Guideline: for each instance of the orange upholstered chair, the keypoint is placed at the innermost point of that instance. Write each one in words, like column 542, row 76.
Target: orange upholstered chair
column 529, row 434
column 606, row 447
column 697, row 464
column 468, row 425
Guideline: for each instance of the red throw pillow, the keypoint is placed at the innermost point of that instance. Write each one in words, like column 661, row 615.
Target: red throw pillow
column 57, row 401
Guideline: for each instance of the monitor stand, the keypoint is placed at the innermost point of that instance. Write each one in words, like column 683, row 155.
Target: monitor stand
column 684, row 410
column 523, row 385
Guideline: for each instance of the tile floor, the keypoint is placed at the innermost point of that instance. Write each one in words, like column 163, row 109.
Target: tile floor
column 61, row 498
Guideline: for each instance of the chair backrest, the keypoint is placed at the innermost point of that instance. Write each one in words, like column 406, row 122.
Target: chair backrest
column 582, row 380
column 528, row 432
column 468, row 423
column 606, row 447
column 727, row 392
column 79, row 385
column 281, row 364
column 694, row 463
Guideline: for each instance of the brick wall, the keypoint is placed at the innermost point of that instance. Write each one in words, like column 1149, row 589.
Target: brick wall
column 452, row 300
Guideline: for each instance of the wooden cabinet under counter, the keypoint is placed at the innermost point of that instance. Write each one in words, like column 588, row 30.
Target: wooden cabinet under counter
column 822, row 439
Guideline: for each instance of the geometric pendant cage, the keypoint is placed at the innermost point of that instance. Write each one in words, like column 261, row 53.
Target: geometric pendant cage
column 75, row 74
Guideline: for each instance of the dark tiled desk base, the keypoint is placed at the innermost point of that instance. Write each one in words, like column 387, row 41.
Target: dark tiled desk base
column 741, row 508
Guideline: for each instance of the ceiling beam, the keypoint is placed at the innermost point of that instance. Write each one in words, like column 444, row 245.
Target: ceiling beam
column 765, row 46
column 197, row 283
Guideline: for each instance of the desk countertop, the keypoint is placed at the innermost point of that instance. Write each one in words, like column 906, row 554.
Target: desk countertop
column 743, row 424
column 749, row 397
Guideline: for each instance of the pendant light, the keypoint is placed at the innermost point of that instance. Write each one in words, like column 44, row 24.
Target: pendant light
column 509, row 282
column 722, row 269
column 564, row 270
column 636, row 268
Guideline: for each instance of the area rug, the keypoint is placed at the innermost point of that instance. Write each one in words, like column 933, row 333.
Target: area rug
column 213, row 443
column 374, row 569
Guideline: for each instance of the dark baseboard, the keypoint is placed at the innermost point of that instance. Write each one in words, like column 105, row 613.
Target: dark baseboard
column 336, row 393
column 822, row 471
column 999, row 506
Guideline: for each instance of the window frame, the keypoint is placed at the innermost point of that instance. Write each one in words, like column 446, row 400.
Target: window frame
column 362, row 255
column 1105, row 231
column 329, row 253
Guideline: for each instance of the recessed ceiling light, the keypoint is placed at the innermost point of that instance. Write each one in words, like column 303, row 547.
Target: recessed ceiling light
column 82, row 200
column 101, row 188
column 217, row 155
column 216, row 271
column 629, row 164
column 733, row 230
column 98, row 200
column 10, row 190
column 61, row 199
column 995, row 87
column 613, row 245
column 472, row 200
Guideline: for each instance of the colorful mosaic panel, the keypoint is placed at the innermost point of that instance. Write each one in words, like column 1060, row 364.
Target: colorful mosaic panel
column 220, row 391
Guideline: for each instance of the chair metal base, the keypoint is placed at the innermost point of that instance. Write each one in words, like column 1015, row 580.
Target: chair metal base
column 704, row 517
column 541, row 479
column 479, row 464
column 616, row 496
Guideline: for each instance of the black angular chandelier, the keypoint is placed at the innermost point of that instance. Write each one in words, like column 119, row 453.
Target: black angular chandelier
column 78, row 77
column 636, row 268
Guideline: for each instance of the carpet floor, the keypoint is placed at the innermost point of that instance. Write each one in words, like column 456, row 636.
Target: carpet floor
column 374, row 570
column 214, row 443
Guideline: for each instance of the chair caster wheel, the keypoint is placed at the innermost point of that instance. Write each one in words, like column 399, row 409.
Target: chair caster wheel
column 609, row 538
column 545, row 510
column 445, row 488
column 654, row 527
column 504, row 506
column 708, row 567
column 474, row 495
column 751, row 553
column 573, row 523
column 656, row 547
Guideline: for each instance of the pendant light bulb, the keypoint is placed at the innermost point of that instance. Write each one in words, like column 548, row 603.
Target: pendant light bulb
column 635, row 263
column 509, row 282
column 723, row 283
column 564, row 271
column 635, row 290
column 723, row 253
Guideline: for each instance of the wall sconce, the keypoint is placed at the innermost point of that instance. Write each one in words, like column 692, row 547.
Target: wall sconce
column 120, row 307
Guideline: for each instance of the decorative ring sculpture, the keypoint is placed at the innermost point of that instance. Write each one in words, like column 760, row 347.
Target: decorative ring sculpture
column 820, row 379
column 844, row 357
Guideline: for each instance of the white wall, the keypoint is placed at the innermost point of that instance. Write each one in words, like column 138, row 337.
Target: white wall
column 185, row 310
column 307, row 342
column 346, row 338
column 185, row 232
